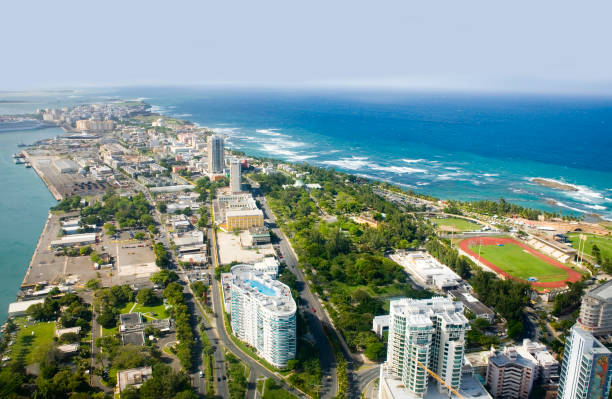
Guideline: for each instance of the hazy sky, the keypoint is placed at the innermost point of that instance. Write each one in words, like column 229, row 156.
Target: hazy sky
column 458, row 44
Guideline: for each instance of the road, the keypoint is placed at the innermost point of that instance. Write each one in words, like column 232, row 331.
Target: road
column 363, row 380
column 198, row 382
column 309, row 305
column 254, row 366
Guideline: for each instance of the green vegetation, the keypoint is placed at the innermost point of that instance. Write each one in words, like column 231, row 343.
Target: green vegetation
column 155, row 309
column 33, row 341
column 458, row 223
column 599, row 247
column 182, row 318
column 344, row 260
column 162, row 259
column 517, row 262
column 108, row 301
column 129, row 212
column 274, row 391
column 237, row 377
column 146, row 296
column 164, row 277
column 503, row 208
column 568, row 301
column 68, row 204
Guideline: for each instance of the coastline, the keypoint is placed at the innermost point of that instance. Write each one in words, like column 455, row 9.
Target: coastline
column 44, row 230
column 54, row 192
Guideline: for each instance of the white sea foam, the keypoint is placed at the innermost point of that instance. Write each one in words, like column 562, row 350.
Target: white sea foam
column 182, row 115
column 490, row 174
column 272, row 148
column 596, row 207
column 414, row 160
column 423, row 183
column 269, row 132
column 564, row 205
column 579, row 193
column 353, row 163
column 397, row 169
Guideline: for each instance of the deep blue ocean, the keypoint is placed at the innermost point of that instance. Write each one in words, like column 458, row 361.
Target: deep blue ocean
column 457, row 146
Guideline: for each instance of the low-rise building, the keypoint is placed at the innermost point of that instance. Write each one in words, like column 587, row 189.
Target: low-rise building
column 472, row 304
column 19, row 308
column 133, row 377
column 426, row 270
column 380, row 324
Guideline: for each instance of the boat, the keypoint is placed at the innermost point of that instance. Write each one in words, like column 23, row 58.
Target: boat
column 20, row 161
column 28, row 165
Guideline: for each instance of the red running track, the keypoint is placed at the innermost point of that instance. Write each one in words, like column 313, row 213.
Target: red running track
column 573, row 275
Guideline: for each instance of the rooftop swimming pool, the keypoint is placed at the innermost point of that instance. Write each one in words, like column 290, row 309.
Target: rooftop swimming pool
column 262, row 289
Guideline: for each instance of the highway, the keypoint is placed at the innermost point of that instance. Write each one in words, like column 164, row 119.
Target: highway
column 363, row 380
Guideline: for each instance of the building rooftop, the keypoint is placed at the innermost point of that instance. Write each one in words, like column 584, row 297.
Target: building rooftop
column 603, row 292
column 420, row 312
column 270, row 294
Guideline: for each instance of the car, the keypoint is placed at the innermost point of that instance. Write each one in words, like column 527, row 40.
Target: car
column 224, row 377
column 201, row 374
column 218, row 378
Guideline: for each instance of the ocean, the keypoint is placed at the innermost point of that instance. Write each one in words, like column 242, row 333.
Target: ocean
column 452, row 146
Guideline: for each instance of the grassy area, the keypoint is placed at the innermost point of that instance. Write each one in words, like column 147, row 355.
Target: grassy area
column 518, row 262
column 458, row 223
column 156, row 311
column 603, row 243
column 109, row 331
column 33, row 341
column 273, row 391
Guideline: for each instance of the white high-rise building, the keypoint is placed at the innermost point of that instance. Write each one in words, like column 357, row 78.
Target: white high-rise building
column 235, row 177
column 263, row 314
column 586, row 371
column 430, row 333
column 216, row 154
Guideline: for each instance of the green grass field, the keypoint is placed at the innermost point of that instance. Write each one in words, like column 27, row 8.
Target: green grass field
column 459, row 224
column 517, row 262
column 33, row 341
column 156, row 311
column 603, row 243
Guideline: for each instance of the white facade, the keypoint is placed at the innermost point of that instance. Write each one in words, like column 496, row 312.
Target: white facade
column 263, row 314
column 235, row 177
column 427, row 270
column 586, row 371
column 430, row 332
column 596, row 310
column 216, row 160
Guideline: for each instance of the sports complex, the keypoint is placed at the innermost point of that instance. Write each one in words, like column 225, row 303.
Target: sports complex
column 513, row 259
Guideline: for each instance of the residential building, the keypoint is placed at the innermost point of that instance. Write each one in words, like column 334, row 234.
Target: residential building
column 84, row 125
column 263, row 314
column 586, row 371
column 216, row 161
column 510, row 375
column 235, row 176
column 596, row 310
column 426, row 333
column 380, row 324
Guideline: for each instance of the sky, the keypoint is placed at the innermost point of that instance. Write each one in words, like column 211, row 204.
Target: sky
column 533, row 46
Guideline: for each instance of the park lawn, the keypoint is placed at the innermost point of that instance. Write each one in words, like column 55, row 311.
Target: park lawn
column 379, row 291
column 273, row 391
column 156, row 311
column 603, row 243
column 519, row 263
column 31, row 348
column 458, row 223
column 107, row 332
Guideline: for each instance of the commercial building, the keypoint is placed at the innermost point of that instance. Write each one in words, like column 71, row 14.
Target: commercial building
column 65, row 166
column 263, row 314
column 235, row 176
column 426, row 270
column 216, row 160
column 586, row 371
column 429, row 333
column 17, row 309
column 75, row 239
column 243, row 219
column 596, row 310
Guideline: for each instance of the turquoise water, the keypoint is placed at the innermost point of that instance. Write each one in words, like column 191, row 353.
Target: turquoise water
column 262, row 289
column 24, row 206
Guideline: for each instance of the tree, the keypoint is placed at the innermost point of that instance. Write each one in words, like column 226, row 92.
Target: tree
column 110, row 229
column 163, row 208
column 146, row 296
column 139, row 236
column 164, row 277
column 107, row 320
column 86, row 250
column 92, row 284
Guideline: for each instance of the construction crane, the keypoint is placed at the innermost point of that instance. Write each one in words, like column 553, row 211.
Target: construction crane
column 439, row 379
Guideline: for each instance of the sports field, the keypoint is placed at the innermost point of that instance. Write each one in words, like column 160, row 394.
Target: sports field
column 603, row 243
column 514, row 259
column 458, row 223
